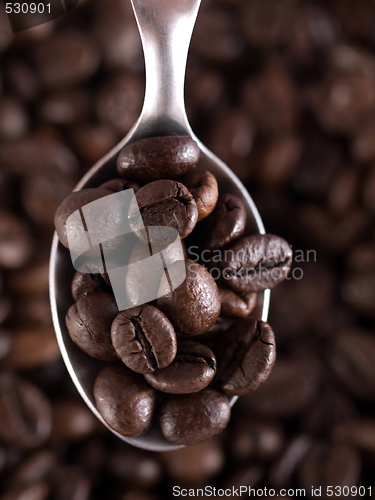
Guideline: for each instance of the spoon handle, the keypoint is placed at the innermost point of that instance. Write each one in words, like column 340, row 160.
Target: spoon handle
column 165, row 27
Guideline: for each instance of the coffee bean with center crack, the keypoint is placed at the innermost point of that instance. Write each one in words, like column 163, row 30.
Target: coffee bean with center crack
column 192, row 370
column 256, row 262
column 164, row 203
column 144, row 339
column 203, row 186
column 124, row 399
column 245, row 353
column 89, row 324
column 156, row 158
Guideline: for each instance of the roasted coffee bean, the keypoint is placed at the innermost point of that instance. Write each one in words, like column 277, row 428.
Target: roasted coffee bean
column 358, row 433
column 65, row 107
column 192, row 370
column 89, row 324
column 135, row 467
column 256, row 439
column 358, row 291
column 352, row 358
column 283, row 470
column 25, row 413
column 117, row 185
column 327, row 465
column 87, row 283
column 193, row 418
column 92, row 141
column 291, row 387
column 124, row 399
column 165, row 203
column 119, row 102
column 36, row 491
column 16, row 245
column 236, row 306
column 203, row 186
column 37, row 467
column 194, row 465
column 225, row 224
column 144, row 339
column 74, row 202
column 256, row 262
column 67, row 59
column 71, row 421
column 32, row 280
column 13, row 119
column 158, row 158
column 71, row 483
column 246, row 353
column 194, row 306
column 32, row 348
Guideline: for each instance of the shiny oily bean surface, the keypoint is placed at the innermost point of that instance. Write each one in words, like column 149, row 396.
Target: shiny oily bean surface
column 225, row 224
column 256, row 262
column 193, row 418
column 192, row 370
column 144, row 339
column 203, row 186
column 117, row 185
column 156, row 158
column 236, row 306
column 245, row 353
column 25, row 413
column 87, row 283
column 165, row 203
column 124, row 399
column 194, row 306
column 89, row 323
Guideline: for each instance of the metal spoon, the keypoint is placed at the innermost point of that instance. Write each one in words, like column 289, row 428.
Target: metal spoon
column 165, row 27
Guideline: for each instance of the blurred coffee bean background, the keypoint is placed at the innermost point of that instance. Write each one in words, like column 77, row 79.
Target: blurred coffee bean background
column 284, row 92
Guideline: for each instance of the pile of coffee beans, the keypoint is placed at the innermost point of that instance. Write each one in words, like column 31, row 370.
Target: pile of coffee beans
column 282, row 92
column 178, row 343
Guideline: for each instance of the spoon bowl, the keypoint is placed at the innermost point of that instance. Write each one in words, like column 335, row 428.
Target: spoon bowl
column 165, row 27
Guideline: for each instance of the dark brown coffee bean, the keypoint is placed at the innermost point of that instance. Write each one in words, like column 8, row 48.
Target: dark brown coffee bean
column 67, row 59
column 16, row 245
column 92, row 141
column 226, row 223
column 329, row 465
column 65, row 106
column 144, row 339
column 25, row 413
column 214, row 332
column 192, row 370
column 135, row 468
column 358, row 291
column 203, row 186
column 194, row 306
column 165, row 203
column 192, row 465
column 283, row 470
column 32, row 280
column 236, row 306
column 289, row 390
column 117, row 185
column 71, row 421
column 119, row 102
column 13, row 119
column 35, row 468
column 71, row 483
column 32, row 348
column 256, row 440
column 74, row 202
column 245, row 353
column 358, row 433
column 36, row 491
column 193, row 418
column 352, row 358
column 158, row 158
column 89, row 324
column 124, row 399
column 87, row 283
column 256, row 262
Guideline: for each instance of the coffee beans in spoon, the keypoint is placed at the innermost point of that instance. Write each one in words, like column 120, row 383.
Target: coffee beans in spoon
column 164, row 346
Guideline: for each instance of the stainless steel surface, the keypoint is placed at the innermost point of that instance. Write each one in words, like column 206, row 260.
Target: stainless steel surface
column 166, row 27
